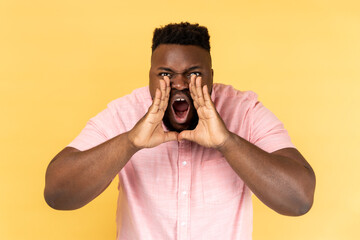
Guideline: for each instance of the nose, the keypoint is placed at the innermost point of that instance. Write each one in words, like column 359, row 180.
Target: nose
column 179, row 81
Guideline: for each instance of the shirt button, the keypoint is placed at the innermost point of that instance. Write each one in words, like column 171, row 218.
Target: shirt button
column 184, row 163
column 183, row 223
column 184, row 192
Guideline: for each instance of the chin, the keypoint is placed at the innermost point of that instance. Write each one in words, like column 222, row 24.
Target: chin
column 172, row 125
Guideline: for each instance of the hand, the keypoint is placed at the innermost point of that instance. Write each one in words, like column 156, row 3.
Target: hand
column 211, row 131
column 148, row 132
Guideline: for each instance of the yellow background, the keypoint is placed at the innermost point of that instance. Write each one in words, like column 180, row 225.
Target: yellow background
column 61, row 62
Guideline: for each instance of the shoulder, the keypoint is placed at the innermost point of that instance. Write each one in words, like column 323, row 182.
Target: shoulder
column 227, row 95
column 122, row 113
column 138, row 96
column 138, row 100
column 235, row 108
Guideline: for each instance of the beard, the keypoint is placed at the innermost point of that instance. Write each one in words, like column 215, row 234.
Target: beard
column 192, row 118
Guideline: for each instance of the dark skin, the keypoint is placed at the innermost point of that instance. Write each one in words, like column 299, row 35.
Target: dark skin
column 283, row 180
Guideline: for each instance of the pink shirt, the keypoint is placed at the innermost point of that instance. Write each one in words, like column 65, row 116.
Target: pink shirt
column 183, row 190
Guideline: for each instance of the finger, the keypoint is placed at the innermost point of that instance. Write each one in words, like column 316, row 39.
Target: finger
column 170, row 136
column 167, row 91
column 163, row 93
column 193, row 92
column 156, row 102
column 167, row 80
column 192, row 87
column 207, row 97
column 186, row 135
column 196, row 105
column 199, row 92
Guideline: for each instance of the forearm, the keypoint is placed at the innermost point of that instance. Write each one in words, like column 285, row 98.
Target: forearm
column 74, row 178
column 282, row 183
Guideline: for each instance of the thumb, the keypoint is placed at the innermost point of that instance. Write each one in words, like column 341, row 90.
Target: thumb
column 170, row 136
column 186, row 135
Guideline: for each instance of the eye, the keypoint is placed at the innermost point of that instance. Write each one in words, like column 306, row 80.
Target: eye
column 165, row 74
column 194, row 73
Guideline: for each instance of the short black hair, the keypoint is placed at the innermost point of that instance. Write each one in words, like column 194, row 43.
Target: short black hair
column 182, row 33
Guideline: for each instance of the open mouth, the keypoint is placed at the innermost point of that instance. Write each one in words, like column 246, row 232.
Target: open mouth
column 180, row 107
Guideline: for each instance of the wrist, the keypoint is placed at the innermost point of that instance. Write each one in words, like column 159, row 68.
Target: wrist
column 227, row 143
column 130, row 143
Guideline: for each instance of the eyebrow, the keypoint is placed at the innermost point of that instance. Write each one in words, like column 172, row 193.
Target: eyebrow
column 186, row 70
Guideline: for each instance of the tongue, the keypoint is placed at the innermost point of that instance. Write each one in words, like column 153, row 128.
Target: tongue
column 180, row 106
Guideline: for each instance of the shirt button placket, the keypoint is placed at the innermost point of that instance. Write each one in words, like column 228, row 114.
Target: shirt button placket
column 184, row 164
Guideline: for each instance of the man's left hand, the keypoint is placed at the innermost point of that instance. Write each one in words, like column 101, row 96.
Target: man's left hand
column 211, row 131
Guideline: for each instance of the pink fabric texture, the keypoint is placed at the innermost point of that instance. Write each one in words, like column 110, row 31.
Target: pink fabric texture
column 181, row 190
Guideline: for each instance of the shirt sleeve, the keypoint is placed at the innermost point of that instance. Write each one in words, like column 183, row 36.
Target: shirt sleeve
column 267, row 131
column 98, row 129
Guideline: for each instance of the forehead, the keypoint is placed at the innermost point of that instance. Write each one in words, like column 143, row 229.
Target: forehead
column 179, row 57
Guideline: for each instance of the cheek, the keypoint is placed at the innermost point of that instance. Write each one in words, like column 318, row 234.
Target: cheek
column 153, row 85
column 207, row 80
column 152, row 92
column 209, row 85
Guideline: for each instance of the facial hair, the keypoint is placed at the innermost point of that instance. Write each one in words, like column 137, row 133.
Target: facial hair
column 192, row 123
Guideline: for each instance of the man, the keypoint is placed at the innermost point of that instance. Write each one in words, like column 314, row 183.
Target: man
column 188, row 153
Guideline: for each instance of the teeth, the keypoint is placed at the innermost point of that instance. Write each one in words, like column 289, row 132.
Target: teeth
column 180, row 99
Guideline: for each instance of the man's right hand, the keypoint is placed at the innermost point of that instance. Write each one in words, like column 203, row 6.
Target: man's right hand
column 69, row 173
column 148, row 132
